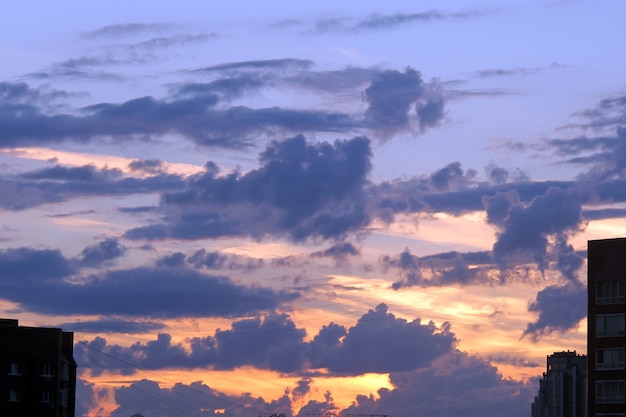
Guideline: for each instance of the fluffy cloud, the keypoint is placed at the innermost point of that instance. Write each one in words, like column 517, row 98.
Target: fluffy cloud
column 301, row 190
column 559, row 308
column 392, row 94
column 274, row 342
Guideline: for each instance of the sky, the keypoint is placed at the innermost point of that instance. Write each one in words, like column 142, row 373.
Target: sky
column 249, row 208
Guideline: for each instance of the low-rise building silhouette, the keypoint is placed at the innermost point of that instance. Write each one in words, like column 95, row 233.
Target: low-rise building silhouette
column 37, row 371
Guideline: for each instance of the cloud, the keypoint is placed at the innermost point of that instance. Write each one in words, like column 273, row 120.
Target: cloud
column 163, row 42
column 112, row 325
column 107, row 250
column 366, row 346
column 39, row 280
column 16, row 94
column 274, row 342
column 61, row 183
column 217, row 260
column 339, row 252
column 379, row 22
column 449, row 268
column 451, row 176
column 456, row 384
column 264, row 64
column 559, row 308
column 195, row 118
column 301, row 190
column 149, row 166
column 85, row 173
column 605, row 155
column 225, row 88
column 463, row 383
column 197, row 398
column 28, row 270
column 332, row 81
column 128, row 29
column 138, row 53
column 392, row 94
column 525, row 228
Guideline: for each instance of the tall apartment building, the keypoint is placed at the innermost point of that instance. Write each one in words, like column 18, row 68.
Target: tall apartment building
column 562, row 390
column 37, row 371
column 606, row 331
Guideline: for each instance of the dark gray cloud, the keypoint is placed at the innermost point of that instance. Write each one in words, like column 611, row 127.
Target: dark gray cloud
column 300, row 190
column 466, row 384
column 85, row 173
column 145, row 51
column 500, row 175
column 392, row 94
column 456, row 384
column 448, row 268
column 264, row 64
column 379, row 22
column 217, row 261
column 61, row 183
column 510, row 359
column 559, row 309
column 172, row 41
column 150, row 166
column 17, row 196
column 181, row 400
column 124, row 30
column 525, row 228
column 511, row 72
column 37, row 280
column 96, row 255
column 500, row 72
column 415, row 345
column 451, row 176
column 24, row 269
column 68, row 73
column 225, row 88
column 333, row 81
column 16, row 94
column 274, row 342
column 112, row 325
column 605, row 156
column 340, row 252
column 601, row 148
column 609, row 213
column 610, row 113
column 195, row 118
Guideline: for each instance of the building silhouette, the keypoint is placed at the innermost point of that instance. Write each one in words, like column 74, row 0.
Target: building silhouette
column 606, row 331
column 37, row 371
column 562, row 390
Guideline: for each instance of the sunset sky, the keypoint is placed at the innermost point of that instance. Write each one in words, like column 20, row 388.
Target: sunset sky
column 247, row 207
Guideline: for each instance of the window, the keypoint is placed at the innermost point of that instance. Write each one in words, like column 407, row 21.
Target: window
column 610, row 358
column 610, row 292
column 65, row 372
column 610, row 392
column 15, row 368
column 45, row 396
column 15, row 395
column 609, row 325
column 63, row 397
column 46, row 370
